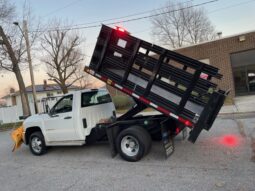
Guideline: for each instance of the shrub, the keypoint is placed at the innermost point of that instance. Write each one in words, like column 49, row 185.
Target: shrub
column 6, row 126
column 122, row 102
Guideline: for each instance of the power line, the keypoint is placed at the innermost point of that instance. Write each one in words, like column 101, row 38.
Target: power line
column 61, row 8
column 210, row 12
column 117, row 18
column 231, row 6
column 130, row 20
column 131, row 15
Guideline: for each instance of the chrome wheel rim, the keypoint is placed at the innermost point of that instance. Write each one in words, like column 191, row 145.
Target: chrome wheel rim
column 129, row 145
column 36, row 144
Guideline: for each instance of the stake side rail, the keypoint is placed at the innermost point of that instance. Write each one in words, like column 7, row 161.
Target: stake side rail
column 173, row 84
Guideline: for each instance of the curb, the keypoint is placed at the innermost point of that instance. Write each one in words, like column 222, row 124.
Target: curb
column 3, row 130
column 239, row 115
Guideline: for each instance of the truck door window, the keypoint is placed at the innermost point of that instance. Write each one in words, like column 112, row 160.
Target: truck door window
column 64, row 105
column 95, row 98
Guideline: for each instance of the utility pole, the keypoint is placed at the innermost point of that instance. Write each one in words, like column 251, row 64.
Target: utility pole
column 25, row 34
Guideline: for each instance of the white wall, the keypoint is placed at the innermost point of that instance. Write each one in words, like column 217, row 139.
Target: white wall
column 10, row 114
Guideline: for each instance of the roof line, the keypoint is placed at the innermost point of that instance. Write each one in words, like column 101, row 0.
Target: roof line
column 230, row 36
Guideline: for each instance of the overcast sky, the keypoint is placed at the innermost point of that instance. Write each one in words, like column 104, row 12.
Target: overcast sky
column 228, row 16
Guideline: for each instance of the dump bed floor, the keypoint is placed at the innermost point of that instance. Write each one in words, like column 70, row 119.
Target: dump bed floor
column 157, row 90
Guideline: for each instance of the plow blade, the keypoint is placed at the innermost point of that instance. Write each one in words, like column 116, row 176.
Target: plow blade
column 16, row 136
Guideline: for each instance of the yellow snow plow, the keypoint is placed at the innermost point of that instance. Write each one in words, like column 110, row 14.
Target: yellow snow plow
column 17, row 137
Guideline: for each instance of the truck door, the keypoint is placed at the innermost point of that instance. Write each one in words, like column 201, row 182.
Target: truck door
column 59, row 124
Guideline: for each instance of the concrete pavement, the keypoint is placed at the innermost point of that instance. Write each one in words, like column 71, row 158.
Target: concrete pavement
column 242, row 104
column 220, row 160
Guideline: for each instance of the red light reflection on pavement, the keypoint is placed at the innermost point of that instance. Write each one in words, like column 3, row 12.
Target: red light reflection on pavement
column 229, row 140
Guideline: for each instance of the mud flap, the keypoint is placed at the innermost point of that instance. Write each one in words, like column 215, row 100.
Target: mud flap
column 168, row 140
column 16, row 136
column 112, row 133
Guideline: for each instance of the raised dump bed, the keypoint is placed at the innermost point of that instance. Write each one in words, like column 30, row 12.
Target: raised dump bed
column 173, row 84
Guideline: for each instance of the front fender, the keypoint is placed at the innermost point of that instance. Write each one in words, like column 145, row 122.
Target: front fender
column 28, row 132
column 32, row 124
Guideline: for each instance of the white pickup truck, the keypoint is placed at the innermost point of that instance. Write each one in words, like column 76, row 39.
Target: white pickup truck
column 83, row 117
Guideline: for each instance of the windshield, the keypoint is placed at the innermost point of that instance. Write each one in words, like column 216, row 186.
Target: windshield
column 95, row 98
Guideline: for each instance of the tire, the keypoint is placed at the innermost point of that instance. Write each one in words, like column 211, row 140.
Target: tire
column 146, row 137
column 37, row 144
column 133, row 143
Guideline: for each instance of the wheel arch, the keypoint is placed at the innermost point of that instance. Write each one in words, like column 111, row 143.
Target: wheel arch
column 29, row 131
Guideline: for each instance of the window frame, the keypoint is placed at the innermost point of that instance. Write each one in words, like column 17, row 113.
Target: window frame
column 52, row 111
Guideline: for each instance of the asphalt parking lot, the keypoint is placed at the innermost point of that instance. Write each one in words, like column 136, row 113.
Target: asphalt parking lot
column 220, row 160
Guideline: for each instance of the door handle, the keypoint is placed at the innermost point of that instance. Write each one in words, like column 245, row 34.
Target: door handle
column 68, row 117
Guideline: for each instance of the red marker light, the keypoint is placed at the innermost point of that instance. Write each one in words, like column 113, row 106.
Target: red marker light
column 186, row 122
column 120, row 29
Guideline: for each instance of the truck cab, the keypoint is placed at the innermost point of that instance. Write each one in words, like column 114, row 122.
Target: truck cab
column 70, row 121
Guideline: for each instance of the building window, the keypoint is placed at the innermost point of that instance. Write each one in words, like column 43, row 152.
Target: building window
column 50, row 94
column 30, row 98
column 14, row 101
column 59, row 92
column 243, row 64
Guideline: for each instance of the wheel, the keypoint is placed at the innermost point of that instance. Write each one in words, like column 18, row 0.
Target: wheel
column 146, row 136
column 133, row 143
column 37, row 144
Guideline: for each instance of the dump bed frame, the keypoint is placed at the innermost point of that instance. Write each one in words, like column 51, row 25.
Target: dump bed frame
column 175, row 85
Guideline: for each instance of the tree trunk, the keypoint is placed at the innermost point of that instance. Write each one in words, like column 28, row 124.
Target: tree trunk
column 16, row 70
column 64, row 89
column 22, row 90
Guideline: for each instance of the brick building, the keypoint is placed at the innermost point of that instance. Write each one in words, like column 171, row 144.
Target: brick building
column 234, row 56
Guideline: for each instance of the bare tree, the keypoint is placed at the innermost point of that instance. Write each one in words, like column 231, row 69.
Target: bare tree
column 182, row 24
column 13, row 48
column 11, row 52
column 7, row 10
column 63, row 57
column 84, row 79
